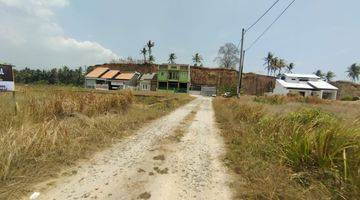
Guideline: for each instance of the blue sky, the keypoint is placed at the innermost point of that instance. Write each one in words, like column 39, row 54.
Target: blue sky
column 314, row 34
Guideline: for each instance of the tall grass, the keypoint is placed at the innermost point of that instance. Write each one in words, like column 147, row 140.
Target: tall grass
column 293, row 156
column 53, row 129
column 280, row 99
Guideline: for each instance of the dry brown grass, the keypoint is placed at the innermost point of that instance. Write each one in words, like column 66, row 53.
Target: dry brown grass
column 290, row 150
column 54, row 129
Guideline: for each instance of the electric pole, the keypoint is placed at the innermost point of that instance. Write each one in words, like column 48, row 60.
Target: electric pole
column 241, row 64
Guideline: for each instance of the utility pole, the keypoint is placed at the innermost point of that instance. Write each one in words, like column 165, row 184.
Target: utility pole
column 241, row 64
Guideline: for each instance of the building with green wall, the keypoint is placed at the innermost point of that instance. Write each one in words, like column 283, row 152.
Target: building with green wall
column 174, row 77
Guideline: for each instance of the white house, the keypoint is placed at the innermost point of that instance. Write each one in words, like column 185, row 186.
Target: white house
column 127, row 80
column 93, row 79
column 148, row 82
column 305, row 85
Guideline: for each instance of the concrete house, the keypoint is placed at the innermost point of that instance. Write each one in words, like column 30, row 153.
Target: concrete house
column 93, row 79
column 148, row 82
column 127, row 80
column 305, row 85
column 174, row 77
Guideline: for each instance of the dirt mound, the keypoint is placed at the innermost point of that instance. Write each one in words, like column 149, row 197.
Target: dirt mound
column 347, row 89
column 226, row 79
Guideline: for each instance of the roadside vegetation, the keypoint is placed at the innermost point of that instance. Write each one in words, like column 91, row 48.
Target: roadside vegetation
column 283, row 149
column 56, row 126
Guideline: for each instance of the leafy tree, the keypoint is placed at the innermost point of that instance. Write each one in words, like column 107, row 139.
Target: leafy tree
column 329, row 76
column 53, row 76
column 197, row 59
column 172, row 58
column 228, row 56
column 269, row 57
column 144, row 52
column 353, row 72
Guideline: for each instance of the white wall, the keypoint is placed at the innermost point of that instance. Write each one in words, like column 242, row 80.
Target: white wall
column 90, row 83
column 7, row 85
column 297, row 91
column 145, row 85
column 279, row 89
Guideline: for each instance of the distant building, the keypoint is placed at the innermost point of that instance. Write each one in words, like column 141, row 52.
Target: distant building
column 305, row 85
column 93, row 79
column 148, row 82
column 128, row 80
column 174, row 77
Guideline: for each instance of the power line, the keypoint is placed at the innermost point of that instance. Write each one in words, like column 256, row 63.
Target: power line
column 277, row 1
column 263, row 33
column 263, row 15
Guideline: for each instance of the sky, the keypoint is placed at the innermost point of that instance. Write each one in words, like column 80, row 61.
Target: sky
column 313, row 34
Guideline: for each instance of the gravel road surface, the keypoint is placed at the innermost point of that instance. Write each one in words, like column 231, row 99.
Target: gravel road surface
column 175, row 157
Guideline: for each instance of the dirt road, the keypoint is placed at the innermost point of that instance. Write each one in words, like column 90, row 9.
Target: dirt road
column 175, row 157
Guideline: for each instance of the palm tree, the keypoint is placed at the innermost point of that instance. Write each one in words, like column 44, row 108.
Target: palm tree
column 151, row 59
column 144, row 52
column 268, row 60
column 150, row 45
column 354, row 72
column 197, row 59
column 290, row 67
column 319, row 73
column 329, row 76
column 172, row 58
column 281, row 65
column 274, row 63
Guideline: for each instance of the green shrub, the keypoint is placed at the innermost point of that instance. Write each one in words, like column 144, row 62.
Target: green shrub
column 347, row 98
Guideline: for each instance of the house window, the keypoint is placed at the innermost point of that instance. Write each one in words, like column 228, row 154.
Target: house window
column 304, row 79
column 173, row 75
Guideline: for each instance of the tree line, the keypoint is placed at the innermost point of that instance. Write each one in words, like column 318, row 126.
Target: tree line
column 228, row 57
column 55, row 76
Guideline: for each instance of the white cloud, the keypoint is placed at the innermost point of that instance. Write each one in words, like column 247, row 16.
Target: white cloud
column 30, row 37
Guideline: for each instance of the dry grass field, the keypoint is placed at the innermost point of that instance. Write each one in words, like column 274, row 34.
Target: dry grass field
column 56, row 126
column 291, row 148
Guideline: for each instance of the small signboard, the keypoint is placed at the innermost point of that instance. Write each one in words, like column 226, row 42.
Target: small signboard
column 6, row 78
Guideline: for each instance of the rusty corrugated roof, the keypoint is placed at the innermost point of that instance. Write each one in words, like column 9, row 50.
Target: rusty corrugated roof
column 110, row 74
column 125, row 76
column 97, row 72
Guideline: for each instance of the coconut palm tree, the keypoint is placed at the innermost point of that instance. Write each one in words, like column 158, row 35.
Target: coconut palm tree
column 197, row 59
column 319, row 73
column 144, row 52
column 354, row 72
column 290, row 67
column 281, row 65
column 329, row 76
column 268, row 60
column 274, row 63
column 151, row 59
column 172, row 58
column 150, row 45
